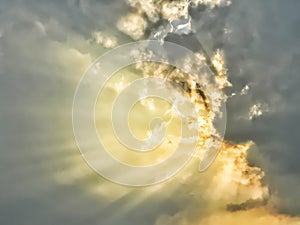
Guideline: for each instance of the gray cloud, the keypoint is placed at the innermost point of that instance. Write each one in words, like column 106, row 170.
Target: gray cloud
column 40, row 40
column 263, row 49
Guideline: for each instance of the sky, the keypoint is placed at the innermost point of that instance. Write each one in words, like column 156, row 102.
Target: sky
column 45, row 47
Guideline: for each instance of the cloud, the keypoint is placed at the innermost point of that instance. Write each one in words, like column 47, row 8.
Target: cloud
column 262, row 50
column 44, row 49
column 257, row 216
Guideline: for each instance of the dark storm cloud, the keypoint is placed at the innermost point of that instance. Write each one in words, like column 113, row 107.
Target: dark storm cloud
column 261, row 40
column 264, row 50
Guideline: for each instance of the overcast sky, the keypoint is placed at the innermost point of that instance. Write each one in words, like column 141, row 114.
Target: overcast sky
column 45, row 48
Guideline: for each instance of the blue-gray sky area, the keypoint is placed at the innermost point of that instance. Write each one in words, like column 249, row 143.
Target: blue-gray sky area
column 45, row 46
